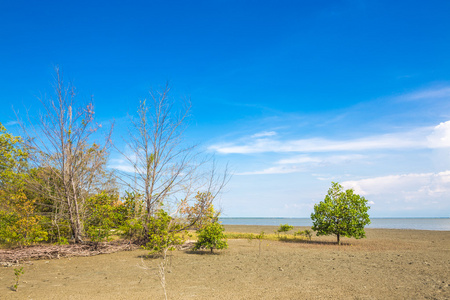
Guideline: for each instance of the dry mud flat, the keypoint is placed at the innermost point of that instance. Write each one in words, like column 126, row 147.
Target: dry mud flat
column 389, row 264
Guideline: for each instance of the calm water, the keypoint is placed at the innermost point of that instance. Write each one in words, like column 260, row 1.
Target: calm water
column 392, row 223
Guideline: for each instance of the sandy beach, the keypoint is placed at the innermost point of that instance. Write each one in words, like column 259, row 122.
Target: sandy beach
column 388, row 264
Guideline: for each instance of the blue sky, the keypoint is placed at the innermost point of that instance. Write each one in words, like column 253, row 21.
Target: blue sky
column 292, row 94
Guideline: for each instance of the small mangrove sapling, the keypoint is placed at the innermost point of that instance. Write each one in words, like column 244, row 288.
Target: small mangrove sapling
column 17, row 273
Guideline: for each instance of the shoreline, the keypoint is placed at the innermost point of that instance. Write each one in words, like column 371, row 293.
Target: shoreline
column 435, row 224
column 257, row 228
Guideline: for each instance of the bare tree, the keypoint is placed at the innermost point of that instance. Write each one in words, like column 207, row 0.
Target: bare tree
column 60, row 145
column 166, row 170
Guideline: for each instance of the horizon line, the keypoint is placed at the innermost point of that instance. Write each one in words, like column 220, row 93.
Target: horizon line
column 310, row 218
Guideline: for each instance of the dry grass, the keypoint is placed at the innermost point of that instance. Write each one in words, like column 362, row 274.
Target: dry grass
column 377, row 239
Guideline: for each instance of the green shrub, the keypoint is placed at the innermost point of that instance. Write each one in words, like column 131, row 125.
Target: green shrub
column 59, row 231
column 102, row 217
column 133, row 229
column 163, row 233
column 306, row 233
column 21, row 230
column 285, row 228
column 131, row 222
column 211, row 237
column 132, row 208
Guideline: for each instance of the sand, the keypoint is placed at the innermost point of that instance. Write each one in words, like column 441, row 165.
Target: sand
column 388, row 264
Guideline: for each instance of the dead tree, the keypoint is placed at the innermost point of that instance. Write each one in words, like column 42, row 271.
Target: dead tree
column 60, row 143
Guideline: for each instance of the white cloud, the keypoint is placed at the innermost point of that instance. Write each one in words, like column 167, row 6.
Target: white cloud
column 440, row 137
column 274, row 170
column 321, row 145
column 414, row 187
column 264, row 134
column 304, row 159
column 300, row 160
column 421, row 138
column 121, row 165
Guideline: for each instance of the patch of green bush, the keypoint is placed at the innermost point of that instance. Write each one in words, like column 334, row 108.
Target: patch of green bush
column 212, row 237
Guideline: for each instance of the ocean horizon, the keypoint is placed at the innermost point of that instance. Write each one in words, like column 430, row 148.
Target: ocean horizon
column 441, row 224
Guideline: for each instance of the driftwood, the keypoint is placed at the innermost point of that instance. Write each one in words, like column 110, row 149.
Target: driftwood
column 17, row 255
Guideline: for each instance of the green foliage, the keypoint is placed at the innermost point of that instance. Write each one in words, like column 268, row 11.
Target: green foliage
column 102, row 216
column 242, row 235
column 19, row 229
column 58, row 230
column 239, row 235
column 17, row 273
column 20, row 225
column 133, row 229
column 133, row 206
column 285, row 228
column 342, row 213
column 306, row 233
column 163, row 233
column 212, row 237
column 131, row 217
column 13, row 161
column 261, row 235
column 250, row 237
column 8, row 235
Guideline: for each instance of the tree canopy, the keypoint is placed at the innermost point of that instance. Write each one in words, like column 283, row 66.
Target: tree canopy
column 342, row 213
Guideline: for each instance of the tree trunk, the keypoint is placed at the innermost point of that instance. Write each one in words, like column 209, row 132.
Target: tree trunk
column 78, row 234
column 338, row 239
column 78, row 224
column 212, row 250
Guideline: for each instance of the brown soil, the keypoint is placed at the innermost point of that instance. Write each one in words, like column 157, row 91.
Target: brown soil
column 388, row 264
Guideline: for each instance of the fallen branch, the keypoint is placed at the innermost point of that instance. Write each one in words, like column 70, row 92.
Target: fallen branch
column 58, row 251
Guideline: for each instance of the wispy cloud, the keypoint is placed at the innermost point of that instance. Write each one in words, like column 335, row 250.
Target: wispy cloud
column 303, row 163
column 264, row 134
column 315, row 145
column 121, row 165
column 281, row 169
column 11, row 123
column 434, row 93
column 427, row 137
column 304, row 159
column 408, row 187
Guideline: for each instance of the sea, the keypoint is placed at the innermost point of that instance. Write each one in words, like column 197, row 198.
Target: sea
column 442, row 224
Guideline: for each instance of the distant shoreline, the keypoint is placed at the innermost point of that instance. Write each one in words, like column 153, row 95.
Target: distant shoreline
column 435, row 224
column 308, row 218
